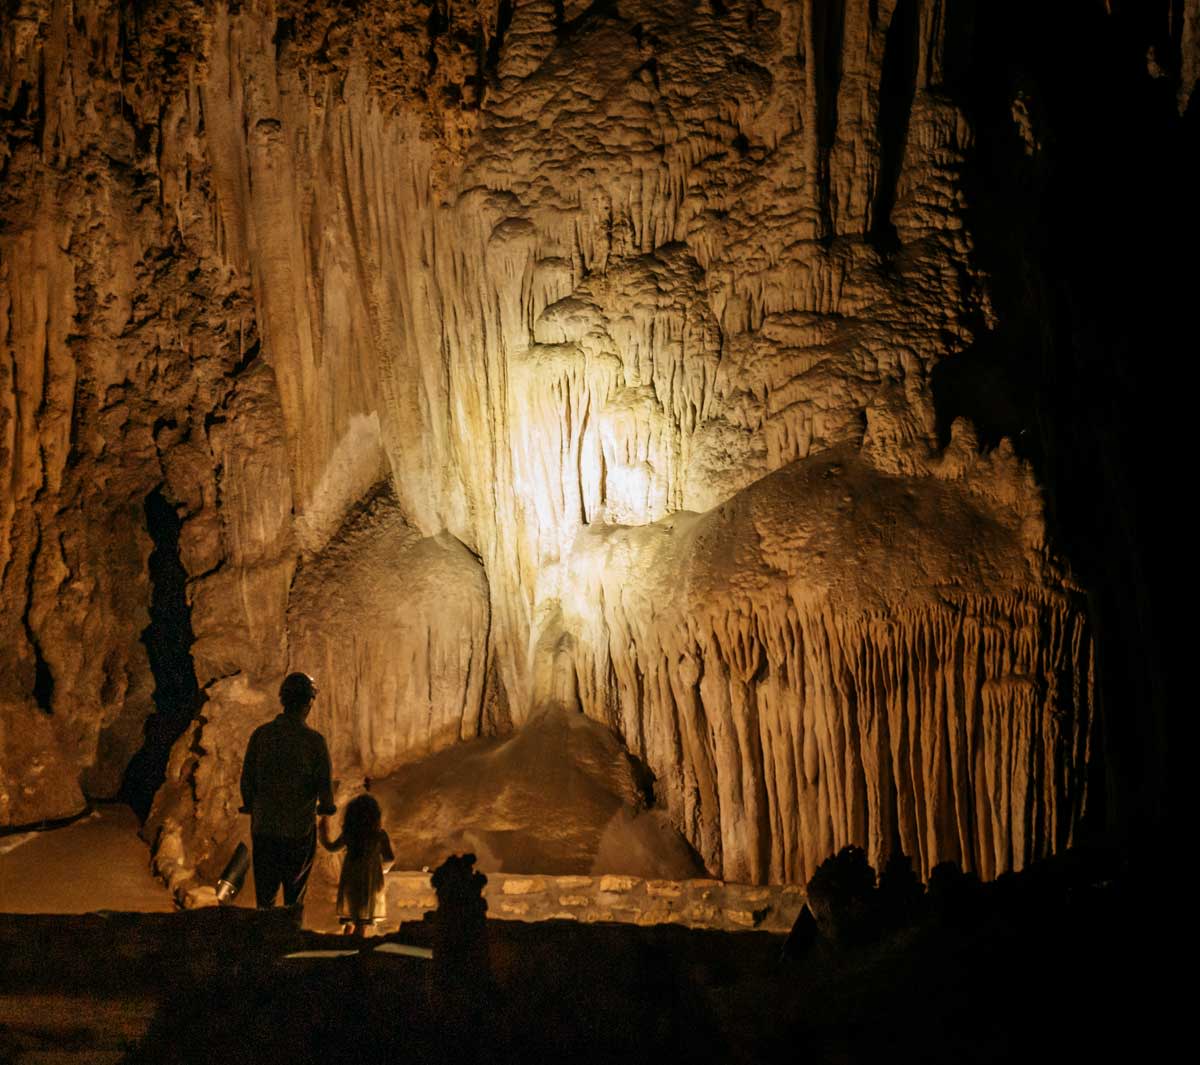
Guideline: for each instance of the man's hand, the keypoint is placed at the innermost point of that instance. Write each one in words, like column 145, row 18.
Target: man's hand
column 323, row 832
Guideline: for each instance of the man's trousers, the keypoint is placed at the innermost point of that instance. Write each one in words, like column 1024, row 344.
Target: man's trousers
column 281, row 862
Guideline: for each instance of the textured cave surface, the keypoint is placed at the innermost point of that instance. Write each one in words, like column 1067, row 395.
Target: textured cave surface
column 685, row 366
column 559, row 795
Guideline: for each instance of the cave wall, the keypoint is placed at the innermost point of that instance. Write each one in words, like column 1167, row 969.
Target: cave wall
column 109, row 325
column 441, row 325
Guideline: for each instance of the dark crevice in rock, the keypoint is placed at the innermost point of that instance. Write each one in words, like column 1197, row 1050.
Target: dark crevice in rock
column 285, row 32
column 599, row 9
column 247, row 360
column 168, row 640
column 438, row 24
column 978, row 384
column 39, row 121
column 503, row 20
column 20, row 108
column 829, row 21
column 47, row 824
column 897, row 87
column 43, row 682
column 43, row 678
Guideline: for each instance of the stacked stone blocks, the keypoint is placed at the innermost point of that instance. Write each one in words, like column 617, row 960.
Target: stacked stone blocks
column 628, row 899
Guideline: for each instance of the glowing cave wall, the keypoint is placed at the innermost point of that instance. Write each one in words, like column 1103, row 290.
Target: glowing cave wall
column 553, row 356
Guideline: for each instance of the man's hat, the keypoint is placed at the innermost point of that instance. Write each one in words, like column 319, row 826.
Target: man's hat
column 297, row 690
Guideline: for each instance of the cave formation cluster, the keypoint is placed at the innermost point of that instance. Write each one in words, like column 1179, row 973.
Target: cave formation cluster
column 524, row 358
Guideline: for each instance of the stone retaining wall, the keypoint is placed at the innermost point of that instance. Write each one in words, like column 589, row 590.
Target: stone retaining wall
column 694, row 903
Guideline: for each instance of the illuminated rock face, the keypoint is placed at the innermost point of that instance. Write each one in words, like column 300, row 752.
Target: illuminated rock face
column 841, row 655
column 581, row 361
column 396, row 628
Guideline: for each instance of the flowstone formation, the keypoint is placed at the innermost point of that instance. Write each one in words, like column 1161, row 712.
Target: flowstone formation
column 505, row 360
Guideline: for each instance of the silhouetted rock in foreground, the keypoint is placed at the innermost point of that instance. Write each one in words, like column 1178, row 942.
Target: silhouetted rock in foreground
column 1030, row 981
column 842, row 896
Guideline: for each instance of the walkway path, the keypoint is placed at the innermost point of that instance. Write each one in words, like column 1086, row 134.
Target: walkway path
column 98, row 863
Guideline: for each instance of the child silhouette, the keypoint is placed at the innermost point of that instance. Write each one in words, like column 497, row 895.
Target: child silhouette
column 368, row 856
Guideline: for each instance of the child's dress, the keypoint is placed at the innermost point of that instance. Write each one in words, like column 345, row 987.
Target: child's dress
column 360, row 889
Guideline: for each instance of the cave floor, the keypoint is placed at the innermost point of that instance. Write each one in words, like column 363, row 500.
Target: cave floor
column 100, row 863
column 97, row 863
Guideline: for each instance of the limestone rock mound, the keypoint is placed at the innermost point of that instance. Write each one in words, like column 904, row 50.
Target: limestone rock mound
column 559, row 796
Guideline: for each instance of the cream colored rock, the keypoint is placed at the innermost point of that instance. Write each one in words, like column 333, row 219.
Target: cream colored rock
column 558, row 796
column 395, row 629
column 840, row 655
column 635, row 330
column 194, row 824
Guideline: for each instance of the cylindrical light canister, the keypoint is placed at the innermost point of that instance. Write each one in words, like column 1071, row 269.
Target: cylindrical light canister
column 231, row 880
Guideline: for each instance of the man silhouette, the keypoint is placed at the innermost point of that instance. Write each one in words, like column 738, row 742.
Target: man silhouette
column 286, row 774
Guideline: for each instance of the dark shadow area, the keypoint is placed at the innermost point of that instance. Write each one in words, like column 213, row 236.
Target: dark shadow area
column 168, row 640
column 1038, row 966
column 46, row 824
column 490, row 62
column 828, row 31
column 1083, row 210
column 43, row 678
column 980, row 380
column 897, row 86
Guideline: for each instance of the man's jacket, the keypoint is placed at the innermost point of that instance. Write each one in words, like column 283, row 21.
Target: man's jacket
column 286, row 773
